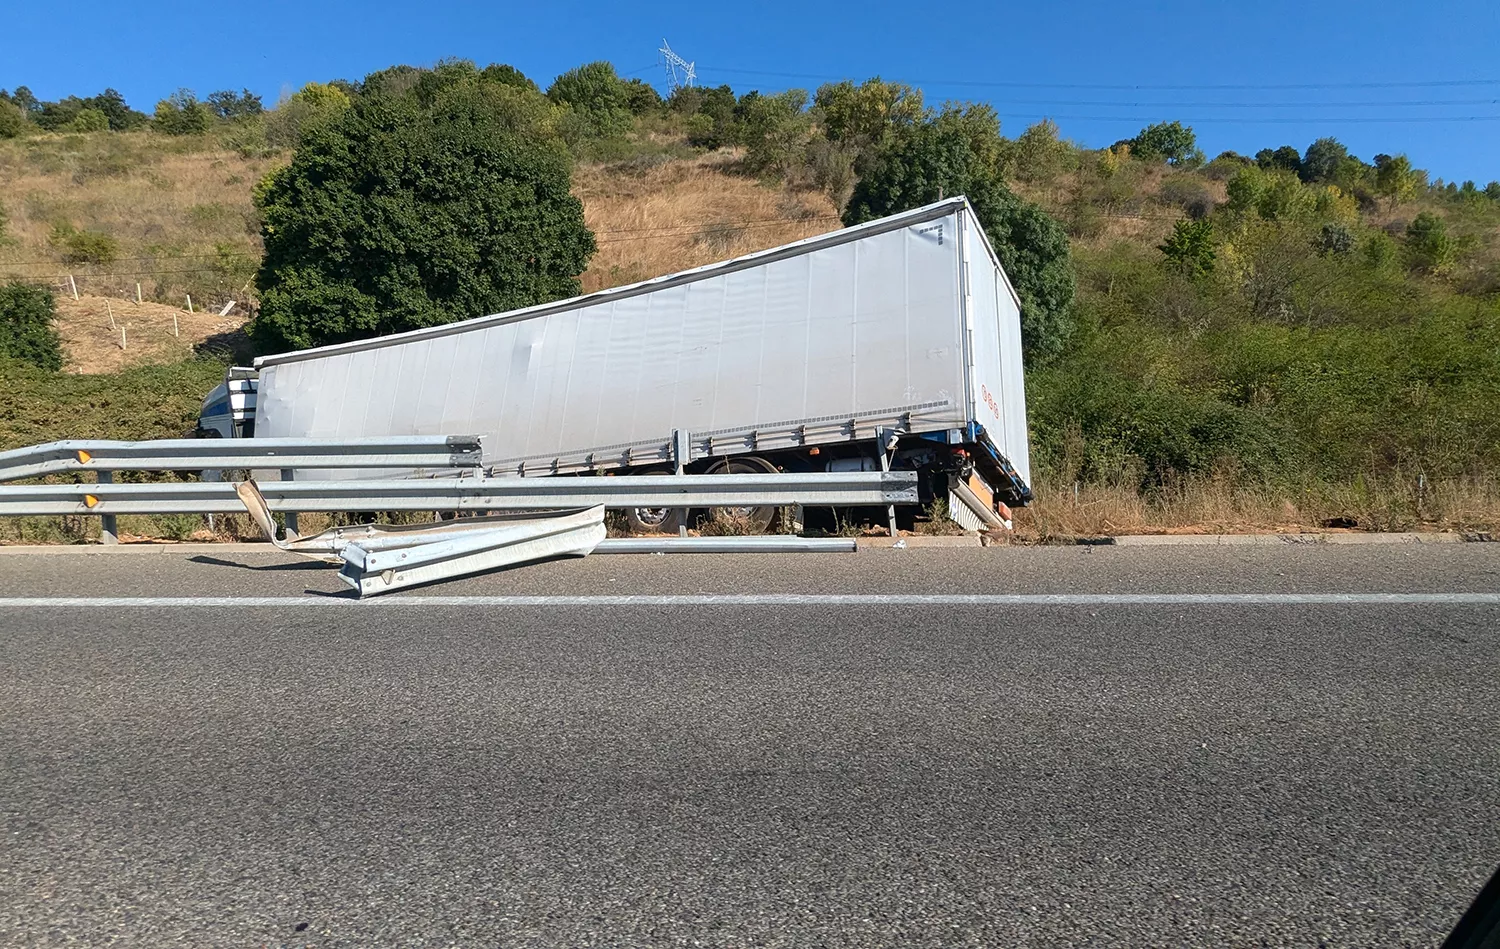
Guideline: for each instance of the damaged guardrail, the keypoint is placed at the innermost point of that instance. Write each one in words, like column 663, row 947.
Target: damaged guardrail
column 836, row 489
column 200, row 454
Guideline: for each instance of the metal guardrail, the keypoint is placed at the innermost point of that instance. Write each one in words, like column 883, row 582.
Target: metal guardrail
column 201, row 454
column 839, row 489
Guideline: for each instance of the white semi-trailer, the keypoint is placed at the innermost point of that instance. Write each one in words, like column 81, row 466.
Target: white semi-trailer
column 817, row 355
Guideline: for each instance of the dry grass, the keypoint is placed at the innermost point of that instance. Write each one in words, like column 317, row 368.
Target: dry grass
column 91, row 341
column 180, row 210
column 1213, row 506
column 683, row 214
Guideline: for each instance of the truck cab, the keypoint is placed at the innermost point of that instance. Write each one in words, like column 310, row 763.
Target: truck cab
column 229, row 410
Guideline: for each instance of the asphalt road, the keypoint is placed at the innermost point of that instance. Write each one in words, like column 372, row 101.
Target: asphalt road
column 903, row 772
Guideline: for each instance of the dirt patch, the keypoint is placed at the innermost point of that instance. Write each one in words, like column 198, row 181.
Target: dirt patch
column 90, row 330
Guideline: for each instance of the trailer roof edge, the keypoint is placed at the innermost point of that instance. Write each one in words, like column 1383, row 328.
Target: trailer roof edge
column 785, row 251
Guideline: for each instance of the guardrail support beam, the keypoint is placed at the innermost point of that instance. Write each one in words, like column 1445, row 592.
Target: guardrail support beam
column 289, row 474
column 109, row 530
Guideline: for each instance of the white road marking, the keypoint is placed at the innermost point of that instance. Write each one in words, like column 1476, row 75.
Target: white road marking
column 771, row 599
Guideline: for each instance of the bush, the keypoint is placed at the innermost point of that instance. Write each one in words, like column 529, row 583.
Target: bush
column 1039, row 154
column 89, row 120
column 84, row 247
column 1428, row 247
column 26, row 330
column 1187, row 192
column 598, row 97
column 313, row 106
column 397, row 216
column 1323, row 160
column 182, row 114
column 1190, row 248
column 12, row 120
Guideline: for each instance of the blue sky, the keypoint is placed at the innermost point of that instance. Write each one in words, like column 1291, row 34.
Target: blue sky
column 1245, row 75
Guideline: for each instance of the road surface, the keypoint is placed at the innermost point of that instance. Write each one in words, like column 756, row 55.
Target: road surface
column 1201, row 747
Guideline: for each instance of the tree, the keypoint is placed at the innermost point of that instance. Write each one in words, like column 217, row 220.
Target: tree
column 1321, row 163
column 866, row 115
column 1190, row 248
column 314, row 105
column 507, row 75
column 937, row 159
column 25, row 101
column 12, row 120
column 1428, row 247
column 227, row 104
column 182, row 114
column 89, row 120
column 1172, row 142
column 774, row 129
column 26, row 330
column 1492, row 190
column 396, row 216
column 1285, row 158
column 598, row 97
column 1396, row 179
column 1040, row 155
column 641, row 97
column 121, row 116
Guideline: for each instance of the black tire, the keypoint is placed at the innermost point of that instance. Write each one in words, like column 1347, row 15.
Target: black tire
column 757, row 520
column 654, row 520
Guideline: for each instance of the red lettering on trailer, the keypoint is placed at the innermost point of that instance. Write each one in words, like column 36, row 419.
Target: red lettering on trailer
column 990, row 401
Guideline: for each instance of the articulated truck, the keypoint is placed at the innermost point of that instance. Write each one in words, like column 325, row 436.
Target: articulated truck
column 891, row 343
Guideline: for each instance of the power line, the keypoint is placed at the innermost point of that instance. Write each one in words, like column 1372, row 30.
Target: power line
column 1009, row 84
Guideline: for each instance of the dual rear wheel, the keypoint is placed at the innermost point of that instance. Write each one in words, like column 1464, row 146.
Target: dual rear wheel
column 667, row 520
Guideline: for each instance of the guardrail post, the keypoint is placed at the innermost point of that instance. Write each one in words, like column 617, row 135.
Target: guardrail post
column 109, row 530
column 682, row 447
column 291, row 516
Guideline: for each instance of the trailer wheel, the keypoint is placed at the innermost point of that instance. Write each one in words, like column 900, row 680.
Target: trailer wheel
column 755, row 520
column 654, row 520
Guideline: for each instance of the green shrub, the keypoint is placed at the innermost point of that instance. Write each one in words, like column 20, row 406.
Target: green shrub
column 89, row 120
column 182, row 114
column 26, row 330
column 1190, row 248
column 600, row 100
column 1428, row 246
column 84, row 247
column 230, row 105
column 397, row 216
column 12, row 119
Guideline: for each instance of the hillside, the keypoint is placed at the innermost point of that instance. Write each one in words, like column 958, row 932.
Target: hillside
column 1272, row 340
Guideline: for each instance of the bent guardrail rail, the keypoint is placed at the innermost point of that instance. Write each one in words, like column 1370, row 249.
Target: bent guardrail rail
column 201, row 454
column 835, row 489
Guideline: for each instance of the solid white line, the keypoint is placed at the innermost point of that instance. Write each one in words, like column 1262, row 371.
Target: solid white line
column 775, row 599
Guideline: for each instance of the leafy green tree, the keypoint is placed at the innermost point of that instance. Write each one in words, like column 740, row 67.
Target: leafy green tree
column 1396, row 179
column 938, row 159
column 1040, row 155
column 774, row 129
column 641, row 97
column 182, row 114
column 26, row 330
column 1172, row 142
column 121, row 116
column 1190, row 248
column 598, row 97
column 89, row 120
column 317, row 104
column 395, row 216
column 228, row 104
column 1428, row 246
column 1335, row 239
column 507, row 75
column 712, row 122
column 24, row 100
column 1492, row 190
column 1285, row 158
column 866, row 115
column 12, row 120
column 1321, row 163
